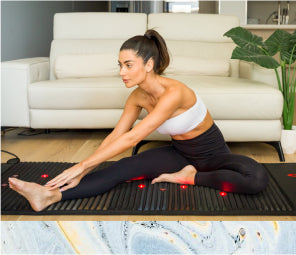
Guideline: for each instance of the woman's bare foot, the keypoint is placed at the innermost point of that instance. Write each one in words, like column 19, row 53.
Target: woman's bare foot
column 184, row 176
column 38, row 196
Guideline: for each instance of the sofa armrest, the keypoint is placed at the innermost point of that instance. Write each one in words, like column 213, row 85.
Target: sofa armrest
column 16, row 75
column 255, row 72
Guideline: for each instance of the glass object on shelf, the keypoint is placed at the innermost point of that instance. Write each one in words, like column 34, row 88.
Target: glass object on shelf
column 281, row 16
column 272, row 12
column 183, row 6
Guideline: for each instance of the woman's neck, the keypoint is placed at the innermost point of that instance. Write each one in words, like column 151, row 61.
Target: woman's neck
column 153, row 86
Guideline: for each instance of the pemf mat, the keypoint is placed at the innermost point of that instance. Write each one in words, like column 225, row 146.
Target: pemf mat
column 139, row 197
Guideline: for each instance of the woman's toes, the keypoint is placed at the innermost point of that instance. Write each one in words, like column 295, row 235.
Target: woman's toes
column 12, row 183
column 158, row 179
column 155, row 180
column 164, row 178
column 16, row 184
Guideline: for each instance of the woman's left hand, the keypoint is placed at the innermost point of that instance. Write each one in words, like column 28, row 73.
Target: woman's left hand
column 70, row 176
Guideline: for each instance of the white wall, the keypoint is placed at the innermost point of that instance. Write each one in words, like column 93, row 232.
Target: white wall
column 238, row 8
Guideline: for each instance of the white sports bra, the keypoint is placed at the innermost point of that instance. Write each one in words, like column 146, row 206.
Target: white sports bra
column 185, row 121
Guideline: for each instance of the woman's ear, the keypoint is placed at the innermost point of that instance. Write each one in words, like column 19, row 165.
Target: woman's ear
column 149, row 65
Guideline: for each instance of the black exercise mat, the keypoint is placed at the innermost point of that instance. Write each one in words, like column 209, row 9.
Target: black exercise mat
column 159, row 199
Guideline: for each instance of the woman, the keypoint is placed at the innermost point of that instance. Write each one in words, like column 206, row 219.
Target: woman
column 198, row 154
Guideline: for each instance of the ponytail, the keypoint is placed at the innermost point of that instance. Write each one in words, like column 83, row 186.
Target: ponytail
column 151, row 45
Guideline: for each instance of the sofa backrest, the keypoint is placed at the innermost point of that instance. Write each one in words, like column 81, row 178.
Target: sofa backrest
column 87, row 44
column 87, row 34
column 197, row 37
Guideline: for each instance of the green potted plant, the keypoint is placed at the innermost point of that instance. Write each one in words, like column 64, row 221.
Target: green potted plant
column 252, row 48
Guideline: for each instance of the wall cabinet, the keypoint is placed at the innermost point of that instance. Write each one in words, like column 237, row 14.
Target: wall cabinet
column 260, row 12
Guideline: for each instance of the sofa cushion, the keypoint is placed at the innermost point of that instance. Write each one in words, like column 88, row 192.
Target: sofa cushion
column 82, row 48
column 86, row 65
column 181, row 65
column 227, row 98
column 198, row 36
column 205, row 50
column 84, row 93
column 192, row 27
column 231, row 98
column 98, row 25
column 93, row 33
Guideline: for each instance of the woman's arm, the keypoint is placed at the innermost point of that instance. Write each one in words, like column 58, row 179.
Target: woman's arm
column 122, row 139
column 130, row 114
column 165, row 107
column 73, row 175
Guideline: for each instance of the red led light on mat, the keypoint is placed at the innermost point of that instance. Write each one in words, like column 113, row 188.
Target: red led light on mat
column 292, row 175
column 141, row 186
column 137, row 178
column 183, row 186
column 44, row 175
column 223, row 194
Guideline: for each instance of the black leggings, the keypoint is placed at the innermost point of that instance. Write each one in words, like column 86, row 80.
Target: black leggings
column 216, row 167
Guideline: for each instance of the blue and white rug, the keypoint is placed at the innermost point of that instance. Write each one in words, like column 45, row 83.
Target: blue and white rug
column 148, row 237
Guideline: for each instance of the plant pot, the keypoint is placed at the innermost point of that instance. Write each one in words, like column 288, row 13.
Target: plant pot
column 288, row 140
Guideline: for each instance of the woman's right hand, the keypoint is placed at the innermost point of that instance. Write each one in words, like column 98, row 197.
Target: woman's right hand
column 69, row 177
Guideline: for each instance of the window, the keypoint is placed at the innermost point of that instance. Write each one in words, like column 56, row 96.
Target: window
column 185, row 6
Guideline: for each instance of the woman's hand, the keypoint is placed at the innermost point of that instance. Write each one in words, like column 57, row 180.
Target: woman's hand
column 71, row 177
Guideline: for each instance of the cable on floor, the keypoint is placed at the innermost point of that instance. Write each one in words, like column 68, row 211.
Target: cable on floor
column 14, row 160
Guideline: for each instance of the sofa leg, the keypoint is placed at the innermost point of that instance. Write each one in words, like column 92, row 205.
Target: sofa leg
column 138, row 146
column 278, row 146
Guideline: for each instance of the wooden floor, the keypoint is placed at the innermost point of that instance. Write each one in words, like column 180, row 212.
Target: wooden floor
column 76, row 145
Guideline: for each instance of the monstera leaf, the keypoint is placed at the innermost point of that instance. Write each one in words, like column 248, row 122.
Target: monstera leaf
column 255, row 56
column 250, row 48
column 244, row 38
column 293, row 44
column 281, row 41
column 293, row 38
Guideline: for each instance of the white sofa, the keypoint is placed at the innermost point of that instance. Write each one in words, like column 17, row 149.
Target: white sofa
column 78, row 86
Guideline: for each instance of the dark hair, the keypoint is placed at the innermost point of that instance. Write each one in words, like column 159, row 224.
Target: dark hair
column 150, row 45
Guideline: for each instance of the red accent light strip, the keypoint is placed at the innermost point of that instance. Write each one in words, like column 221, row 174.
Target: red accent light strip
column 137, row 178
column 292, row 175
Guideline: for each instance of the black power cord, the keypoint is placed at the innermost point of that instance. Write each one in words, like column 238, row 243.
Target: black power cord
column 32, row 132
column 13, row 160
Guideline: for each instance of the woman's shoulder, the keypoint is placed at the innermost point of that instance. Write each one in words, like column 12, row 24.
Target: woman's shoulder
column 138, row 97
column 182, row 91
column 172, row 82
column 176, row 86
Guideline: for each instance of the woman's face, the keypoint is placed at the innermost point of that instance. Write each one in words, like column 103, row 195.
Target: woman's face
column 132, row 68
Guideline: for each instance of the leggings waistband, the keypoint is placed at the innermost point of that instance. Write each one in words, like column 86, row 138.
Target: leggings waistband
column 211, row 142
column 208, row 132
